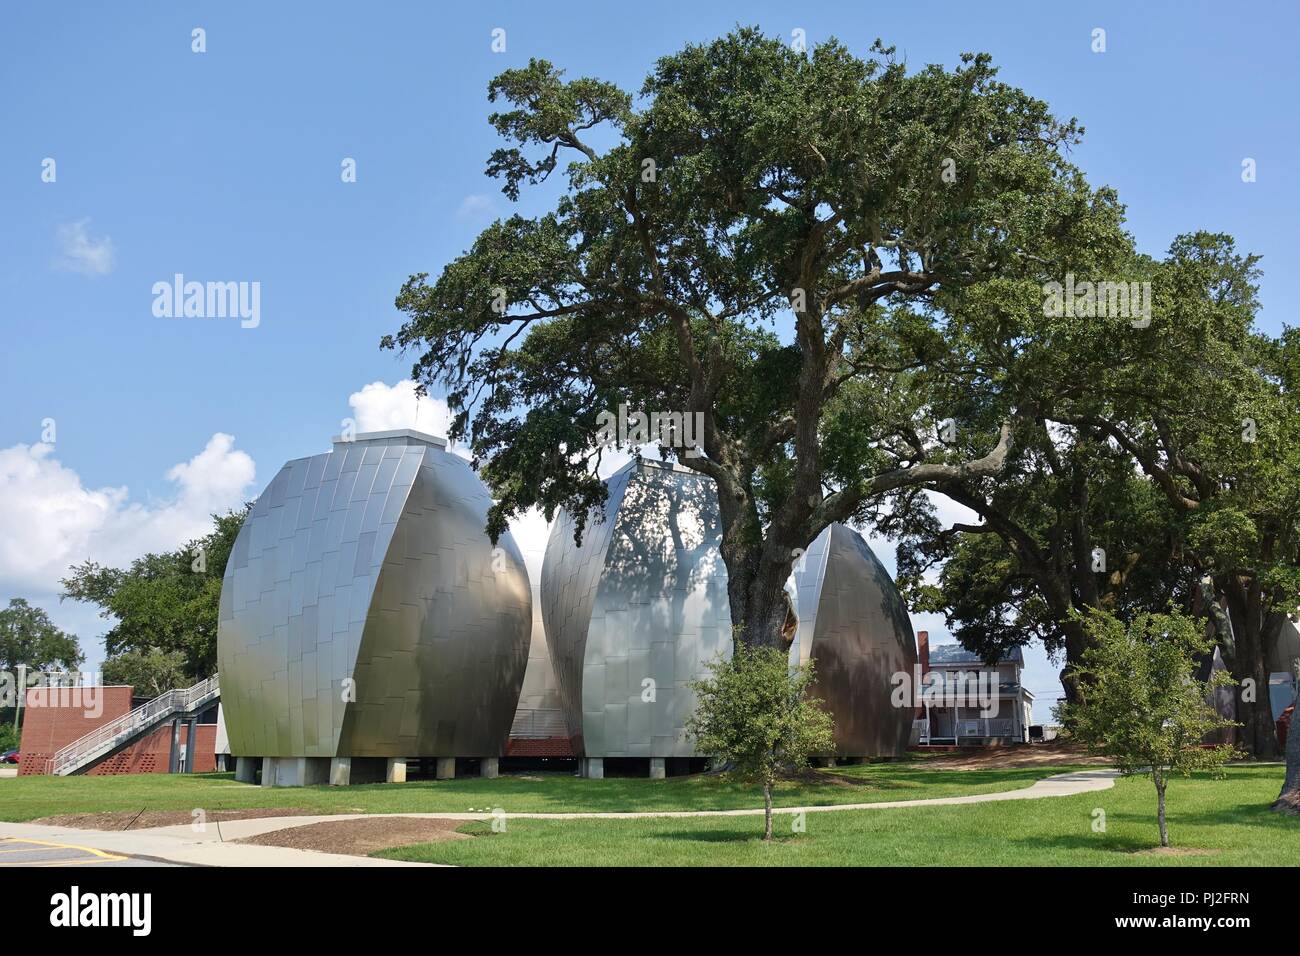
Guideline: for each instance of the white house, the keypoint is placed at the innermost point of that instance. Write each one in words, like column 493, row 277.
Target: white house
column 967, row 701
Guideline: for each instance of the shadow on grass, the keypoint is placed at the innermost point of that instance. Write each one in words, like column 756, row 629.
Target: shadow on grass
column 727, row 836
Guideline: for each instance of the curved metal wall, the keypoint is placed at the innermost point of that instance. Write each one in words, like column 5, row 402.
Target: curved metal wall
column 645, row 598
column 370, row 564
column 854, row 625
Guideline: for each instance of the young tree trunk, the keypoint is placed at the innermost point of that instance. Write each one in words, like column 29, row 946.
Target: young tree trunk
column 767, row 810
column 1161, row 783
column 1288, row 801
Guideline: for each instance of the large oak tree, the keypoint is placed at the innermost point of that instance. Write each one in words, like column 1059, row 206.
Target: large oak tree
column 750, row 189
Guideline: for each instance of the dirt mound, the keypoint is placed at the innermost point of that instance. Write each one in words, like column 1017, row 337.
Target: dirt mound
column 362, row 837
column 142, row 820
column 1172, row 851
column 1008, row 758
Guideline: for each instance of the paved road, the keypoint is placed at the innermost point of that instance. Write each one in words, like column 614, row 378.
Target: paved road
column 212, row 847
column 22, row 851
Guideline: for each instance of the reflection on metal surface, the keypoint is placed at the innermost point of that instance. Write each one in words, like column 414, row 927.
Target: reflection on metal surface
column 644, row 599
column 641, row 608
column 365, row 613
column 539, row 701
column 854, row 625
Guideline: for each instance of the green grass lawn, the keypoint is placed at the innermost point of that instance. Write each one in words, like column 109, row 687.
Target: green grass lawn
column 1228, row 820
column 26, row 798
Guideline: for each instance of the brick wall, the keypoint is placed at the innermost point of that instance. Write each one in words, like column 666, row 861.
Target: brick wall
column 539, row 747
column 52, row 719
column 151, row 753
column 55, row 717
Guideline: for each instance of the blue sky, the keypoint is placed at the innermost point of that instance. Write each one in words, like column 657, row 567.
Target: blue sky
column 225, row 166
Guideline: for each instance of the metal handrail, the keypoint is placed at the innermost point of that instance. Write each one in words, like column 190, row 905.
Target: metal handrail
column 129, row 724
column 539, row 723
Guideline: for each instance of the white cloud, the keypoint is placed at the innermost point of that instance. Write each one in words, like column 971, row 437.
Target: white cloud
column 531, row 532
column 474, row 206
column 49, row 520
column 79, row 252
column 380, row 407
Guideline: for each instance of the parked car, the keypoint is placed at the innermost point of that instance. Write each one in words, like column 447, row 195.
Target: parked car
column 10, row 756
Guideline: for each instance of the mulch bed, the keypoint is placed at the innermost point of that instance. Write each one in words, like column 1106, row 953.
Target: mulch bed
column 136, row 820
column 362, row 837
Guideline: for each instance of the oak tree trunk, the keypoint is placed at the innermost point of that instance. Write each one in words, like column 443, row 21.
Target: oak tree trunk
column 1288, row 801
column 1248, row 665
column 756, row 577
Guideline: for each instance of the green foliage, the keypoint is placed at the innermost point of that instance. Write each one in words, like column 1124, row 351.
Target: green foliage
column 29, row 638
column 1142, row 705
column 165, row 605
column 754, row 712
column 150, row 671
column 744, row 177
column 8, row 736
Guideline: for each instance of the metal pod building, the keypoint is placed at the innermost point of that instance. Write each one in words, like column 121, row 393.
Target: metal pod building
column 365, row 613
column 854, row 624
column 640, row 609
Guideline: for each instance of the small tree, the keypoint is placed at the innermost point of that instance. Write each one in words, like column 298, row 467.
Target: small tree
column 754, row 713
column 1141, row 704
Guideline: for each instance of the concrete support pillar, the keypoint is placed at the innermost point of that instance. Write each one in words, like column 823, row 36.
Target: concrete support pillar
column 340, row 771
column 489, row 767
column 246, row 769
column 313, row 771
column 295, row 771
column 191, row 742
column 657, row 768
column 593, row 768
column 396, row 770
column 446, row 769
column 174, row 758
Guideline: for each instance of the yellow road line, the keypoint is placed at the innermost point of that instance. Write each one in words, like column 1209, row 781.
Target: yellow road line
column 113, row 857
column 47, row 863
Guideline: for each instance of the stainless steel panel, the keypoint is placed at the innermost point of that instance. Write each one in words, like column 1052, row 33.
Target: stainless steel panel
column 430, row 623
column 645, row 597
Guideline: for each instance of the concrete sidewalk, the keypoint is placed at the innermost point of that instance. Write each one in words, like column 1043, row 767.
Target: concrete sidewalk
column 1061, row 785
column 182, row 846
column 213, row 846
